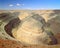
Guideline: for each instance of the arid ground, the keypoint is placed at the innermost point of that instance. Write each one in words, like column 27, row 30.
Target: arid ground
column 7, row 40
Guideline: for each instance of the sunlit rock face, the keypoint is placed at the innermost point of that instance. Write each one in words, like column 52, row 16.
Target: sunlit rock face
column 32, row 31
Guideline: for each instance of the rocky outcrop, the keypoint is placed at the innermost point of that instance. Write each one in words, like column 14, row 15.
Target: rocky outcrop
column 32, row 31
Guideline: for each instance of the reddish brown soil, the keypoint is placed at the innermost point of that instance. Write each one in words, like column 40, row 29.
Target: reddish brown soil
column 14, row 44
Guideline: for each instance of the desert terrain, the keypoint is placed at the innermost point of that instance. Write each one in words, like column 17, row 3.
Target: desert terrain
column 10, row 19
